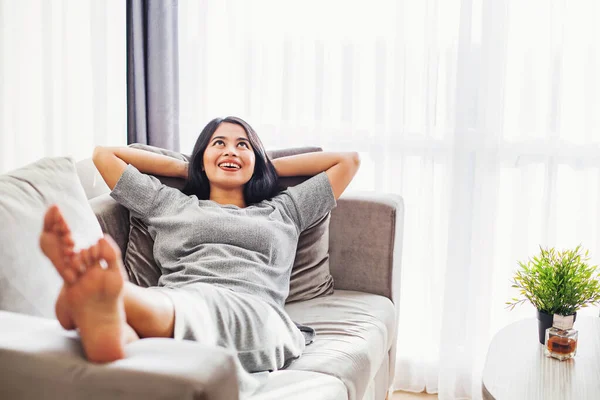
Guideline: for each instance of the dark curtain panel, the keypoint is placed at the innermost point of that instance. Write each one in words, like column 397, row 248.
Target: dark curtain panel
column 152, row 73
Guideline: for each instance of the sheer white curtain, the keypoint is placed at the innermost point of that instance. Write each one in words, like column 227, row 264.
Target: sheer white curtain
column 62, row 78
column 484, row 115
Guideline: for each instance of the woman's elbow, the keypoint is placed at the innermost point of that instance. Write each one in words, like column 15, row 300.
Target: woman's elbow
column 97, row 152
column 352, row 162
column 101, row 156
column 355, row 156
column 101, row 152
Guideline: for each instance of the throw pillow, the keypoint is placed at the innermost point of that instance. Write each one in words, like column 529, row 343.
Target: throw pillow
column 29, row 284
column 310, row 274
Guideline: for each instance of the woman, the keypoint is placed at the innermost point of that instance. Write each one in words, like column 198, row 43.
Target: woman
column 225, row 245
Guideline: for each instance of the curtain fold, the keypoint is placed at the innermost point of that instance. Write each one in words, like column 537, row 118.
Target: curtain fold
column 153, row 73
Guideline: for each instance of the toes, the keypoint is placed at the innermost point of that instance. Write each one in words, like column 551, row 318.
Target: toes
column 69, row 269
column 68, row 242
column 77, row 264
column 61, row 229
column 62, row 226
column 65, row 267
column 74, row 265
column 94, row 256
column 86, row 258
column 55, row 222
column 50, row 217
column 95, row 252
column 91, row 256
column 104, row 254
column 83, row 257
column 69, row 275
column 109, row 251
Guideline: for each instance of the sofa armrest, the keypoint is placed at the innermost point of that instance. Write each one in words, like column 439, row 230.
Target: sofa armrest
column 365, row 248
column 365, row 243
column 38, row 359
column 113, row 219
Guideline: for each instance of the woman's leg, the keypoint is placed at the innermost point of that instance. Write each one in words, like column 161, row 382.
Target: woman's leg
column 150, row 312
column 96, row 300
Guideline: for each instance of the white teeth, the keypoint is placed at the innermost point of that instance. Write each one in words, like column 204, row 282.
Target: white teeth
column 229, row 165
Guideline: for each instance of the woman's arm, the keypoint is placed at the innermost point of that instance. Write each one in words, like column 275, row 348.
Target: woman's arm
column 339, row 167
column 112, row 161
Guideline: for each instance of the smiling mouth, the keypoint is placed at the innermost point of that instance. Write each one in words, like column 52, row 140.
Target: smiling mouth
column 229, row 167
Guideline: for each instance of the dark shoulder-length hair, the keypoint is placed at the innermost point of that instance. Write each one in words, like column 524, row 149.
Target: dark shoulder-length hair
column 262, row 185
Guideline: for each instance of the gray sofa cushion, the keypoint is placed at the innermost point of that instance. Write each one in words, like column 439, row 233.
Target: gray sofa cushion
column 354, row 333
column 310, row 274
column 28, row 282
column 113, row 219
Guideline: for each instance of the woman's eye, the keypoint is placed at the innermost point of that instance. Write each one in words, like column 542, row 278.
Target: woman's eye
column 219, row 142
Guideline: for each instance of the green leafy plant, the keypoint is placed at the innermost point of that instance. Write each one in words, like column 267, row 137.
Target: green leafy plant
column 557, row 282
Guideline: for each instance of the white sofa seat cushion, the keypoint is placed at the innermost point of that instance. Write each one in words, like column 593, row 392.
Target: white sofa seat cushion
column 300, row 385
column 354, row 334
column 39, row 359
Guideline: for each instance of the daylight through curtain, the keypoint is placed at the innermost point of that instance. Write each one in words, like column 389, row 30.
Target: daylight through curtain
column 484, row 115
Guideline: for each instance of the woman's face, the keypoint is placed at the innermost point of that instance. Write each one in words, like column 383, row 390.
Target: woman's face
column 229, row 158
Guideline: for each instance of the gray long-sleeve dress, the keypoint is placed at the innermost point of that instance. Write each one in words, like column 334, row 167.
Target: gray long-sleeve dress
column 227, row 269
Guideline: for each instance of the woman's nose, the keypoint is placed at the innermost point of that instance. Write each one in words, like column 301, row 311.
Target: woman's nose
column 230, row 151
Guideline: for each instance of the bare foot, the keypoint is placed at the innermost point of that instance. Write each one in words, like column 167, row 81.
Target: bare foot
column 91, row 298
column 57, row 244
column 96, row 303
column 56, row 241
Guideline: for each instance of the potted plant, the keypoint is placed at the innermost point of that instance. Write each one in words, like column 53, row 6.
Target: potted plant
column 556, row 282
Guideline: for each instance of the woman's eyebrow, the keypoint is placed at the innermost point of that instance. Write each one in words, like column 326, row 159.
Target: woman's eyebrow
column 223, row 137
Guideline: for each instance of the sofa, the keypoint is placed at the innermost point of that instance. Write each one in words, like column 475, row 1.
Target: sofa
column 352, row 356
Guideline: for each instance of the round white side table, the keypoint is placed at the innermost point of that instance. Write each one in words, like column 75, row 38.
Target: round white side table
column 516, row 367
